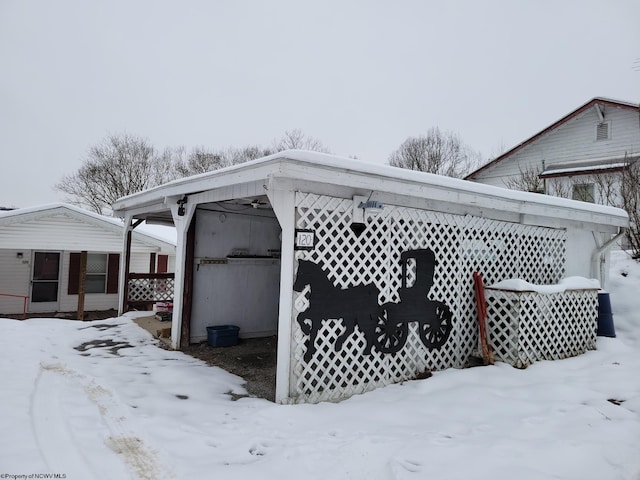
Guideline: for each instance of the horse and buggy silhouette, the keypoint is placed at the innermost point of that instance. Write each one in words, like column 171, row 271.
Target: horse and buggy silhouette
column 384, row 327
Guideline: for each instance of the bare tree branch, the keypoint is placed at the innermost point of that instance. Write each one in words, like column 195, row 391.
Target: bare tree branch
column 118, row 166
column 442, row 153
column 528, row 180
column 297, row 140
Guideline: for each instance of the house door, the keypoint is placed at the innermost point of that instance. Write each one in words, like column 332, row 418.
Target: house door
column 45, row 279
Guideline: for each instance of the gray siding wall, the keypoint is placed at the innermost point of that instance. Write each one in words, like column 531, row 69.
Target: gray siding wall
column 574, row 140
column 14, row 279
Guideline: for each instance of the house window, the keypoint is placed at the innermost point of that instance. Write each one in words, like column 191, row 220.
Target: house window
column 101, row 274
column 96, row 281
column 603, row 131
column 584, row 192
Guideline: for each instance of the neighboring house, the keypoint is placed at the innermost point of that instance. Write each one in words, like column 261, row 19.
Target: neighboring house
column 365, row 272
column 581, row 156
column 40, row 250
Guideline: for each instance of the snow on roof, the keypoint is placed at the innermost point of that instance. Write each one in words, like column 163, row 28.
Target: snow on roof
column 592, row 168
column 617, row 162
column 336, row 170
column 112, row 222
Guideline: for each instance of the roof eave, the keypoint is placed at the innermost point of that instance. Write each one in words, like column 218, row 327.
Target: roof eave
column 566, row 118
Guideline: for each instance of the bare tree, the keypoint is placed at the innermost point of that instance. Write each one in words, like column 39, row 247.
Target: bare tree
column 630, row 201
column 202, row 160
column 297, row 140
column 618, row 188
column 528, row 180
column 199, row 160
column 437, row 152
column 118, row 166
column 559, row 188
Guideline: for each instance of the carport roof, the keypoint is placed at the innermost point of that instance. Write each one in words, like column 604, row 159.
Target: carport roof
column 339, row 176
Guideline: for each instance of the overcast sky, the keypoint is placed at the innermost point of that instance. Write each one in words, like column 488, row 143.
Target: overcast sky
column 361, row 76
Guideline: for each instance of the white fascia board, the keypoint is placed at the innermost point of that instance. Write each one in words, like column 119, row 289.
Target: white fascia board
column 235, row 175
column 351, row 174
column 155, row 206
column 462, row 198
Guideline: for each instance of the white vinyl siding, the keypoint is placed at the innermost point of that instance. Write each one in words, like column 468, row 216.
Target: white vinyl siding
column 14, row 279
column 64, row 232
column 96, row 301
column 573, row 141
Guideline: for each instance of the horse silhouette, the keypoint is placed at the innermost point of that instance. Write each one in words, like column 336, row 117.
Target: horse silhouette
column 357, row 305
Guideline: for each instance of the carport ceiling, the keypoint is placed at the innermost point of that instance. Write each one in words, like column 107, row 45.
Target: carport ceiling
column 235, row 205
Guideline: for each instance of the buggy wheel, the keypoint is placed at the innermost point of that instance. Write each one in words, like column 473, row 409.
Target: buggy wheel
column 389, row 337
column 435, row 331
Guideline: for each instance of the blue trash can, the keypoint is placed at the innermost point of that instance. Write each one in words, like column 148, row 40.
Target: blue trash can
column 605, row 317
column 222, row 335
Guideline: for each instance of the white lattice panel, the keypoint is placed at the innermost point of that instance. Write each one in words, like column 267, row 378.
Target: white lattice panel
column 523, row 327
column 462, row 245
column 150, row 289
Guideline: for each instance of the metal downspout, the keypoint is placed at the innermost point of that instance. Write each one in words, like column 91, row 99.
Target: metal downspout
column 598, row 252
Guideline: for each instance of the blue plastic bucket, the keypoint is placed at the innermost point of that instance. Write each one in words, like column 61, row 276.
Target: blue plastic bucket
column 222, row 335
column 605, row 317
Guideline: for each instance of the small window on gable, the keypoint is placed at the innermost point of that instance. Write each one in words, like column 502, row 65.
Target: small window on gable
column 603, row 131
column 584, row 192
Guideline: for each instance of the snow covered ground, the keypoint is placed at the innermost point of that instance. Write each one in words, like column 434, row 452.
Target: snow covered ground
column 99, row 400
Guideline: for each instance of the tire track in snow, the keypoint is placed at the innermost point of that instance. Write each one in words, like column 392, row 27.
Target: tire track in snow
column 48, row 424
column 54, row 438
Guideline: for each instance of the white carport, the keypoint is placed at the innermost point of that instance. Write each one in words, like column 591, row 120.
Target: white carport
column 386, row 240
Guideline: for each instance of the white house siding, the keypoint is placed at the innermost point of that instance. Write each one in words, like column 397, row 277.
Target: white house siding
column 64, row 231
column 565, row 184
column 571, row 141
column 95, row 301
column 16, row 275
column 14, row 279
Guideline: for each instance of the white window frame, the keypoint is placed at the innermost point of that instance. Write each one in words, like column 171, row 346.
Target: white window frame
column 584, row 197
column 104, row 274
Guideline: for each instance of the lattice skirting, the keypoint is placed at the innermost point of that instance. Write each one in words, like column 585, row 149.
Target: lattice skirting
column 523, row 327
column 150, row 289
column 461, row 244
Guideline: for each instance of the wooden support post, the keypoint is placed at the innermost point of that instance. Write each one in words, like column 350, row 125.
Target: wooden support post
column 187, row 295
column 127, row 262
column 182, row 213
column 82, row 282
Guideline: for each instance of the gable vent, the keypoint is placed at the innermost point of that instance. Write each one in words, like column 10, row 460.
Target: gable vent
column 602, row 131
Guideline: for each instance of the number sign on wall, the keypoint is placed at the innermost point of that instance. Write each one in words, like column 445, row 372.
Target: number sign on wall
column 305, row 239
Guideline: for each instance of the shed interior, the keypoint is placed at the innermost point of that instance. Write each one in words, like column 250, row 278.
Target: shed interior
column 236, row 268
